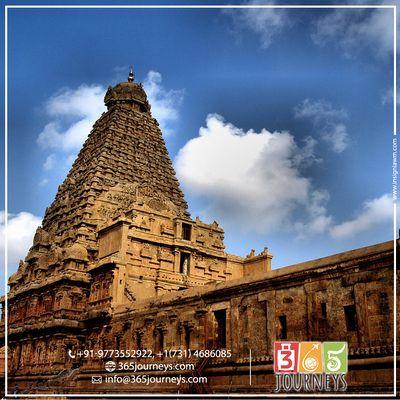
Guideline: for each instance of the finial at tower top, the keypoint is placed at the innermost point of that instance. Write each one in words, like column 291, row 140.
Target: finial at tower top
column 131, row 75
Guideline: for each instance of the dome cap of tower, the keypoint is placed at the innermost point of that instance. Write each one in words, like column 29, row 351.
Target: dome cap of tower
column 128, row 92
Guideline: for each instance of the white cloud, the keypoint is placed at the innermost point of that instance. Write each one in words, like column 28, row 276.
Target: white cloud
column 318, row 221
column 266, row 23
column 328, row 120
column 251, row 180
column 82, row 102
column 352, row 29
column 255, row 181
column 20, row 231
column 337, row 136
column 164, row 103
column 82, row 106
column 50, row 162
column 374, row 213
column 319, row 111
column 306, row 157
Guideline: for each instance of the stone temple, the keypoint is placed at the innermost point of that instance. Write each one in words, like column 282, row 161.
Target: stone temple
column 118, row 263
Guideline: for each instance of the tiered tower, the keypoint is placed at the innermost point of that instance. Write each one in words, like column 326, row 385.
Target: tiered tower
column 117, row 232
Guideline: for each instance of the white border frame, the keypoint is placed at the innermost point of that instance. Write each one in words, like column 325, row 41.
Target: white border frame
column 141, row 395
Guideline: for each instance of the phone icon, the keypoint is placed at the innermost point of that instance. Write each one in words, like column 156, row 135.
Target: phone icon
column 71, row 354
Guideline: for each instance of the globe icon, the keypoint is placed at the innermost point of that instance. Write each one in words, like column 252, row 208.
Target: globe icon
column 110, row 366
column 311, row 363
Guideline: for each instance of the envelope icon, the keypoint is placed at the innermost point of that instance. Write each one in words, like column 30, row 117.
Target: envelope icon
column 97, row 379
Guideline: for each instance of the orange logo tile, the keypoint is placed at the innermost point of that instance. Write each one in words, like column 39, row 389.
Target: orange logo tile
column 310, row 358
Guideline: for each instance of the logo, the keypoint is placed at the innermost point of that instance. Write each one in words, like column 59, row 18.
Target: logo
column 286, row 356
column 335, row 357
column 310, row 358
column 110, row 366
column 310, row 366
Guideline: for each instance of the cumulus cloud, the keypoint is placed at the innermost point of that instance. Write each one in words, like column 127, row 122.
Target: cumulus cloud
column 328, row 120
column 164, row 103
column 374, row 213
column 266, row 23
column 256, row 181
column 73, row 113
column 21, row 228
column 250, row 180
column 354, row 29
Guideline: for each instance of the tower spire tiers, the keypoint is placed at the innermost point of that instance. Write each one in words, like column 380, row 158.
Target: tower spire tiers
column 125, row 149
column 121, row 204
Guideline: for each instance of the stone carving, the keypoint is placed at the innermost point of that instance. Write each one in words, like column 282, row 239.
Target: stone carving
column 164, row 255
column 146, row 251
column 200, row 237
column 122, row 199
column 166, row 230
column 76, row 252
column 251, row 254
column 157, row 204
column 41, row 237
column 109, row 213
column 127, row 93
column 129, row 292
column 146, row 191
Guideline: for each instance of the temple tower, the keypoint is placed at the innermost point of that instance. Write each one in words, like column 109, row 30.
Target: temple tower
column 118, row 232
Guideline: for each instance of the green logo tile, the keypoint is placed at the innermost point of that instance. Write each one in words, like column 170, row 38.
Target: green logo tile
column 335, row 357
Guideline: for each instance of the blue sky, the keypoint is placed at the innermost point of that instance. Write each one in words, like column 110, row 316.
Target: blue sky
column 279, row 122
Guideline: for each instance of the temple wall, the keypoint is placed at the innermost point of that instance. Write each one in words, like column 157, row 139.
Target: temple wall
column 351, row 300
column 346, row 297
